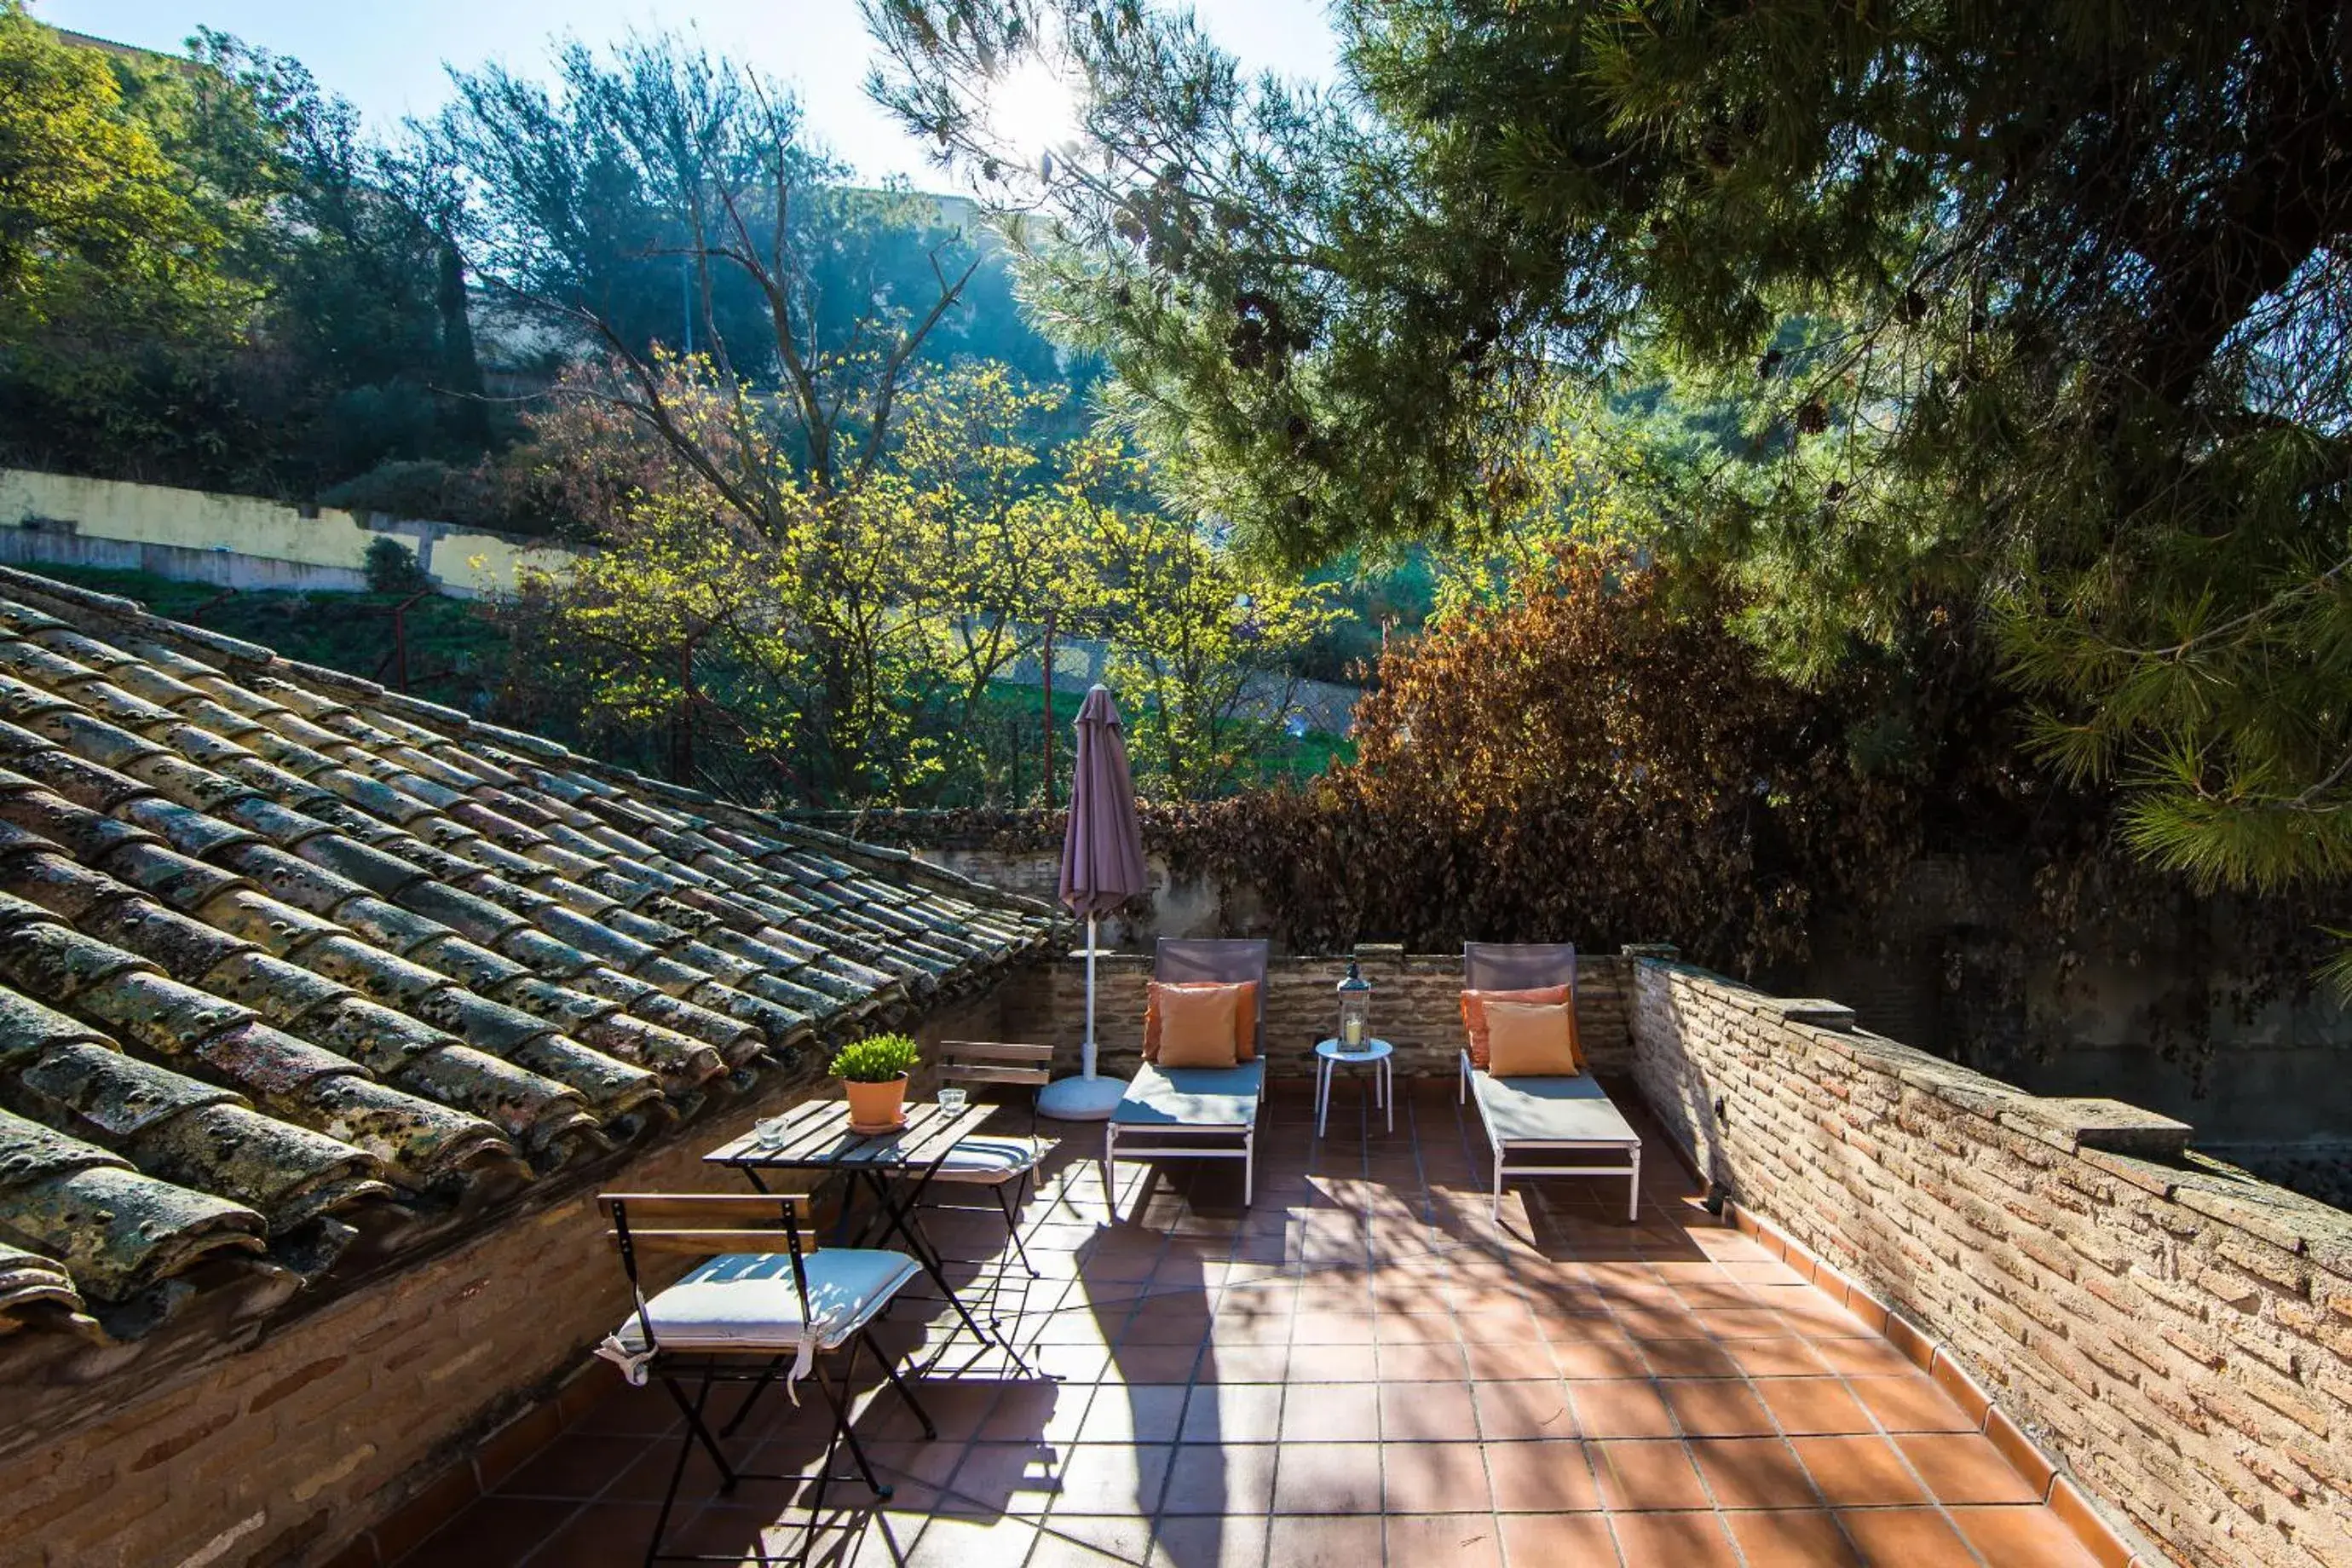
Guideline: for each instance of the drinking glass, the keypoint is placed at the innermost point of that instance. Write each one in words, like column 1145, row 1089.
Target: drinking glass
column 952, row 1100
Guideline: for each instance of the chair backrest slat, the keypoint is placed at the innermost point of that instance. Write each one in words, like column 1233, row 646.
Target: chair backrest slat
column 1519, row 966
column 712, row 1242
column 976, row 1051
column 1224, row 959
column 719, row 1207
column 996, row 1075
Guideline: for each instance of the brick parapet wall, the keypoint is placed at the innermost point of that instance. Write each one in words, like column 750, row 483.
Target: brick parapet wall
column 2176, row 1334
column 1416, row 1007
column 286, row 1452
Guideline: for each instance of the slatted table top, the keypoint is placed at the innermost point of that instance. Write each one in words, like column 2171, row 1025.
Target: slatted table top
column 817, row 1135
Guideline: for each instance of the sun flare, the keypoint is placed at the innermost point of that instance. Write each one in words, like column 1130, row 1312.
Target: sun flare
column 1032, row 109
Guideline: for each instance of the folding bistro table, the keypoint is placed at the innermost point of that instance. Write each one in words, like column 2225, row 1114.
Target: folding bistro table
column 894, row 1167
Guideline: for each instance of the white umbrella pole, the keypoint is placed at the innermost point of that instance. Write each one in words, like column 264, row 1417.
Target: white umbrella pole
column 1087, row 1097
column 1088, row 1051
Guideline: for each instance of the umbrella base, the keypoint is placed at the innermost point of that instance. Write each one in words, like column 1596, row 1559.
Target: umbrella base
column 1080, row 1099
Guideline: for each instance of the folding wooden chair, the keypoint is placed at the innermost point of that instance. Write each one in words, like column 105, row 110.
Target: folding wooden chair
column 764, row 1294
column 1007, row 1165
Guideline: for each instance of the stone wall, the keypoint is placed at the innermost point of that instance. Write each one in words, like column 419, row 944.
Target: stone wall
column 431, row 1383
column 2178, row 1335
column 242, row 541
column 1416, row 1007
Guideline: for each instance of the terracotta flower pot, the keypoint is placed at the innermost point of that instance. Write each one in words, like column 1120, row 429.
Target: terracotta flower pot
column 877, row 1104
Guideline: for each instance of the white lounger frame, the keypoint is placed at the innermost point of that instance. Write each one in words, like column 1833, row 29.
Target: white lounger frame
column 1184, row 1143
column 1177, row 957
column 1631, row 1148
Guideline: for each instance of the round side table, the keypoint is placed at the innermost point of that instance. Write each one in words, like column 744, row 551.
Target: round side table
column 1375, row 1055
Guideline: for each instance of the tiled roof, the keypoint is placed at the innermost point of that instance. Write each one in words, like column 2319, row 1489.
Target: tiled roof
column 296, row 972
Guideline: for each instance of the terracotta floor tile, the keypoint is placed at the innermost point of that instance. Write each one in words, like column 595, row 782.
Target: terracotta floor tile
column 1153, row 1364
column 1581, row 1328
column 1111, row 1478
column 1227, row 1478
column 1433, row 1363
column 1558, row 1540
column 1965, row 1469
column 1716, row 1407
column 1443, row 1366
column 1427, row 1412
column 1050, row 1412
column 499, row 1532
column 1332, row 1328
column 1434, row 1477
column 1454, row 1540
column 1512, row 1412
column 1003, row 1478
column 1689, row 1358
column 1243, row 1363
column 576, row 1466
column 1229, row 1542
column 1906, row 1538
column 1753, row 1472
column 1621, row 1409
column 1327, row 1478
column 1312, row 1542
column 1814, row 1406
column 1642, row 1475
column 1858, row 1472
column 1233, row 1413
column 1775, row 1358
column 2022, row 1538
column 1792, row 1538
column 1865, row 1358
column 1143, row 1412
column 1910, row 1404
column 1541, row 1477
column 1131, row 1545
column 1673, row 1541
column 1606, row 1358
column 1331, row 1413
column 1500, row 1361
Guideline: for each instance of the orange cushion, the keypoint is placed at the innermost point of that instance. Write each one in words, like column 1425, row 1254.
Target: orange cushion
column 1245, row 1015
column 1531, row 1039
column 1196, row 1026
column 1474, row 1014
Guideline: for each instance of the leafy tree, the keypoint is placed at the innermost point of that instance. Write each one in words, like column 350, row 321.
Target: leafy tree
column 847, row 642
column 2032, row 317
column 93, row 214
column 662, row 159
column 1199, row 636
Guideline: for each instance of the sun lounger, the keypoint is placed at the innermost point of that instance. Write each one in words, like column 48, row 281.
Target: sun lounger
column 1196, row 1113
column 1543, row 1120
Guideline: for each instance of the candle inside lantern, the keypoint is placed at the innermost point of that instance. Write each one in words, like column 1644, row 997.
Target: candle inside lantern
column 1355, row 1009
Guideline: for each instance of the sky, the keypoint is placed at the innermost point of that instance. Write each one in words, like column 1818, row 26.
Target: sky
column 388, row 57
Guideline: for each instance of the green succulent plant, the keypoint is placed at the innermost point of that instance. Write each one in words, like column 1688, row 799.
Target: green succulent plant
column 876, row 1059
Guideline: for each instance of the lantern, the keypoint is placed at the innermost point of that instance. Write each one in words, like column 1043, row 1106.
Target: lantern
column 1355, row 1009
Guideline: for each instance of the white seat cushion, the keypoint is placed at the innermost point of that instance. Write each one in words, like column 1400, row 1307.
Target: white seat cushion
column 1551, row 1111
column 1193, row 1097
column 746, row 1300
column 987, row 1161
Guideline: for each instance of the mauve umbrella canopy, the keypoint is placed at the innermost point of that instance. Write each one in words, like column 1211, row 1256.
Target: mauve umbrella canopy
column 1102, row 868
column 1102, row 849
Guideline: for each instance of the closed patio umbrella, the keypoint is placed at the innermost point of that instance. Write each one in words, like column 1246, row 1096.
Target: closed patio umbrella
column 1102, row 868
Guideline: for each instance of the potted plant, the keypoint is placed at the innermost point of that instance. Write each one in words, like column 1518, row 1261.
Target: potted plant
column 873, row 1072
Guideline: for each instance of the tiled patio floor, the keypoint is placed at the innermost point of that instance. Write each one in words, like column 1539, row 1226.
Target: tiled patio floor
column 1361, row 1367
